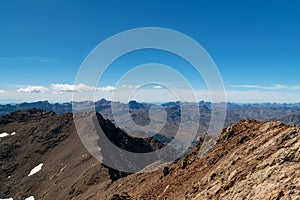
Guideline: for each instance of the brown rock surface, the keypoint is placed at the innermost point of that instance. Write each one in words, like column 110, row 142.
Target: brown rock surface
column 68, row 171
column 251, row 160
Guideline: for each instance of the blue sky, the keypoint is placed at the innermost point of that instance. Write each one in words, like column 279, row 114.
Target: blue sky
column 255, row 44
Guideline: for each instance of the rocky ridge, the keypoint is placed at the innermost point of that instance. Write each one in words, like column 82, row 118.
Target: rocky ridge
column 251, row 160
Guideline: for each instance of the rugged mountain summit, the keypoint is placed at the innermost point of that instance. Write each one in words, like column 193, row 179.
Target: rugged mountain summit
column 249, row 160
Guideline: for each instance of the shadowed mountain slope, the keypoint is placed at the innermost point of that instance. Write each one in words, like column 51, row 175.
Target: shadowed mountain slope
column 43, row 137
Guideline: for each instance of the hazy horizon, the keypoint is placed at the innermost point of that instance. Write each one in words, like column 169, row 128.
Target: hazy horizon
column 15, row 102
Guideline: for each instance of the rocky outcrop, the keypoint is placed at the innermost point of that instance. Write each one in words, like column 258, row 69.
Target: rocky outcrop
column 251, row 160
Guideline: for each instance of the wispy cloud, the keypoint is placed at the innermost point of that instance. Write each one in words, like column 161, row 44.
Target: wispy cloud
column 2, row 91
column 33, row 89
column 35, row 93
column 64, row 92
column 107, row 88
column 261, row 87
column 80, row 88
column 157, row 87
column 64, row 87
column 130, row 86
column 34, row 59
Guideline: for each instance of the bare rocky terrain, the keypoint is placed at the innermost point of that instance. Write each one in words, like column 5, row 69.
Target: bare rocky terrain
column 248, row 160
column 251, row 160
column 68, row 168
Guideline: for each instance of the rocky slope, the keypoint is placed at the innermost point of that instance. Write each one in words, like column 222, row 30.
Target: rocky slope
column 43, row 137
column 249, row 160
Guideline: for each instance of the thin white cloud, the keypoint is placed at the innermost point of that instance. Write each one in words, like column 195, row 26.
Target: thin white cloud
column 157, row 87
column 63, row 87
column 107, row 88
column 2, row 91
column 239, row 96
column 130, row 86
column 71, row 88
column 63, row 92
column 80, row 88
column 33, row 89
column 261, row 87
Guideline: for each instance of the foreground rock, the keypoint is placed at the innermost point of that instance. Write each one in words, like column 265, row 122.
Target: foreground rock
column 251, row 160
column 46, row 159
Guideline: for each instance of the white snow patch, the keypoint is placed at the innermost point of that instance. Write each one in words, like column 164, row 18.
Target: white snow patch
column 8, row 177
column 3, row 135
column 13, row 133
column 36, row 169
column 7, row 199
column 30, row 198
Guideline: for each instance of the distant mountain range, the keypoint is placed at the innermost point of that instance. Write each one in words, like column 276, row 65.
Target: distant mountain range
column 139, row 113
column 289, row 113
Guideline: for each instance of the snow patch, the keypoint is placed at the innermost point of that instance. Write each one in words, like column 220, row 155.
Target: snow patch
column 36, row 169
column 30, row 198
column 7, row 199
column 3, row 135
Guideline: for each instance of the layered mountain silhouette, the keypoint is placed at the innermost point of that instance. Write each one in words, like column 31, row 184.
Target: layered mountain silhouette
column 42, row 156
column 139, row 113
column 235, row 112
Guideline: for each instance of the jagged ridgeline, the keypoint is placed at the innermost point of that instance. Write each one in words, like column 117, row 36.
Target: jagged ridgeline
column 289, row 113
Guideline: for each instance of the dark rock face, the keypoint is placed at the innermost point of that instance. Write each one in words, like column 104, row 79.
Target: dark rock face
column 45, row 137
column 37, row 133
column 136, row 145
